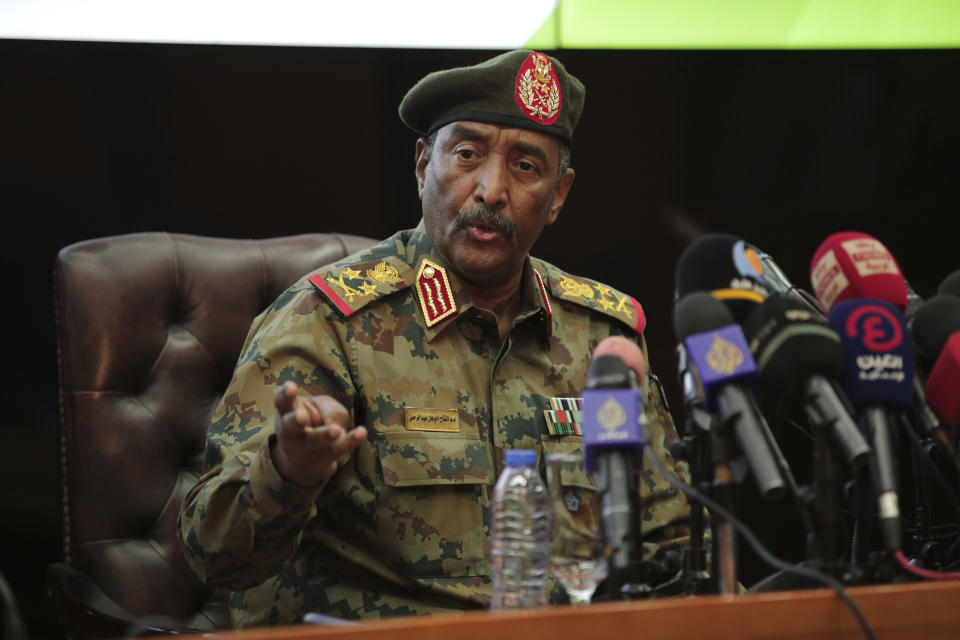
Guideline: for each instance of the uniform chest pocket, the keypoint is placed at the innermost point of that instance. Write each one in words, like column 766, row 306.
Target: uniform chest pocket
column 571, row 476
column 432, row 502
column 413, row 458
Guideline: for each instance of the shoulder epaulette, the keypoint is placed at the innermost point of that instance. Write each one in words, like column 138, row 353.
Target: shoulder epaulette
column 593, row 295
column 355, row 282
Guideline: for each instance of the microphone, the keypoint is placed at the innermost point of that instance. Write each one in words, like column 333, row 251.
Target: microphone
column 881, row 280
column 936, row 334
column 726, row 267
column 798, row 354
column 776, row 281
column 879, row 375
column 852, row 265
column 950, row 285
column 613, row 441
column 723, row 367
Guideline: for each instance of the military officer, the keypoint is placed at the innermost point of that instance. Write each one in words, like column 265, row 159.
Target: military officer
column 353, row 456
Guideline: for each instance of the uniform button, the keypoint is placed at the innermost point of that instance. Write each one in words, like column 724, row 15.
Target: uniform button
column 428, row 272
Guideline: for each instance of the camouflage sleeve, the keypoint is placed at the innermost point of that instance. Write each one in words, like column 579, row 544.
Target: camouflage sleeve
column 665, row 510
column 242, row 521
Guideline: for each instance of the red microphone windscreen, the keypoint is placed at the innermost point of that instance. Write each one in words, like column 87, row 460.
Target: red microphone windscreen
column 944, row 380
column 852, row 266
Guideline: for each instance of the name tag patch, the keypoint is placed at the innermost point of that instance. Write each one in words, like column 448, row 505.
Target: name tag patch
column 447, row 420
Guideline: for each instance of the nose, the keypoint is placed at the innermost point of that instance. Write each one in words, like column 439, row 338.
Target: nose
column 492, row 181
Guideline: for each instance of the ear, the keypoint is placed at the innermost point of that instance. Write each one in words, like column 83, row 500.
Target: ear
column 421, row 158
column 560, row 195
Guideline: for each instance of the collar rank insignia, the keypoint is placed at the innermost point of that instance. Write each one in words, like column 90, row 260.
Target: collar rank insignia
column 538, row 89
column 433, row 289
column 564, row 417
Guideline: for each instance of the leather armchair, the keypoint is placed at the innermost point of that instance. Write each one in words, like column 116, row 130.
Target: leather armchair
column 150, row 326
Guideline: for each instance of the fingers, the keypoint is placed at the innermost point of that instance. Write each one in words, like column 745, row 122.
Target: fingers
column 333, row 441
column 348, row 441
column 312, row 432
column 310, row 456
column 285, row 397
column 321, row 417
column 310, row 411
column 331, row 411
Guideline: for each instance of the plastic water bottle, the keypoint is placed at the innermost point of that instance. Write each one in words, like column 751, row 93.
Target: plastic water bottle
column 522, row 523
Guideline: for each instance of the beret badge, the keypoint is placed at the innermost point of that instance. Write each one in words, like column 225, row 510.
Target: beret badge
column 538, row 89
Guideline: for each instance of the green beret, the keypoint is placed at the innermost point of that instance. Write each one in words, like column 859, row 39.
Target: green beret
column 523, row 89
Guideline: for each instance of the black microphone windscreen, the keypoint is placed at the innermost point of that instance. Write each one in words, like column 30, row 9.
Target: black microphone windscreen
column 950, row 285
column 791, row 342
column 935, row 321
column 725, row 265
column 608, row 372
column 698, row 312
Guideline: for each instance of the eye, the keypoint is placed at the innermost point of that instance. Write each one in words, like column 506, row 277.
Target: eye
column 527, row 167
column 465, row 154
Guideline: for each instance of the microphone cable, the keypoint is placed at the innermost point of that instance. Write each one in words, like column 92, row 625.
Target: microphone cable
column 927, row 574
column 755, row 544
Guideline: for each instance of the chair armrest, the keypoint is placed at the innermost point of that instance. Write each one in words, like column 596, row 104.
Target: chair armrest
column 85, row 611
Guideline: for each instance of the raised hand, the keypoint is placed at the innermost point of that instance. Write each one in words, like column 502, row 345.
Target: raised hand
column 312, row 432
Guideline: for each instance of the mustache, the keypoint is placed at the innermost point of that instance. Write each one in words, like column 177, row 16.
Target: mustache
column 485, row 216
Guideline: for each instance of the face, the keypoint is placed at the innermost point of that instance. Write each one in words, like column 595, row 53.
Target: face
column 488, row 191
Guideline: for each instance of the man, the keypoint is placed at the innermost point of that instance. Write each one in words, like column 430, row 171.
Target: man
column 447, row 343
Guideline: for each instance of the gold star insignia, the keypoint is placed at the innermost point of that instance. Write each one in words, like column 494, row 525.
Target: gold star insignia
column 604, row 291
column 352, row 274
column 606, row 304
column 368, row 289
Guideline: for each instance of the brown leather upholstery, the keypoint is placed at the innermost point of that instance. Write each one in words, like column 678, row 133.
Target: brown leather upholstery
column 150, row 326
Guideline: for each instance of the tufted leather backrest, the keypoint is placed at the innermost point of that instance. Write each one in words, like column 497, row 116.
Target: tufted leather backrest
column 150, row 326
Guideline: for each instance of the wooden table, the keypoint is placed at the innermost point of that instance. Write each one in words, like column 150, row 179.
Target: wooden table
column 917, row 611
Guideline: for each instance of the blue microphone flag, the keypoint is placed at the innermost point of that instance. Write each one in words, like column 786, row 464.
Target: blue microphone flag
column 720, row 356
column 878, row 352
column 612, row 419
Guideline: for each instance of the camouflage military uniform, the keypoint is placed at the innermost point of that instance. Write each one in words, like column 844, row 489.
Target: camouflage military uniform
column 403, row 527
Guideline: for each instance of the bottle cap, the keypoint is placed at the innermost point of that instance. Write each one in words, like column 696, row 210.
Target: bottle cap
column 520, row 457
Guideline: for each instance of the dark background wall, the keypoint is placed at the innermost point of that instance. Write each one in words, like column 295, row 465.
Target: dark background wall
column 781, row 148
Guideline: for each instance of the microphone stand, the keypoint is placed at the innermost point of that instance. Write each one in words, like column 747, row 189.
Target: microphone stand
column 921, row 508
column 694, row 447
column 926, row 475
column 861, row 497
column 725, row 556
column 822, row 550
column 827, row 488
column 873, row 563
column 800, row 498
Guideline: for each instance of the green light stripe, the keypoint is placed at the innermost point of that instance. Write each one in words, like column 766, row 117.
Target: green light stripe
column 790, row 332
column 750, row 24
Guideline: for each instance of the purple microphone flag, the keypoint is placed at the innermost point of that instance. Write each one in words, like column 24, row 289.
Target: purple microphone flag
column 718, row 357
column 612, row 419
